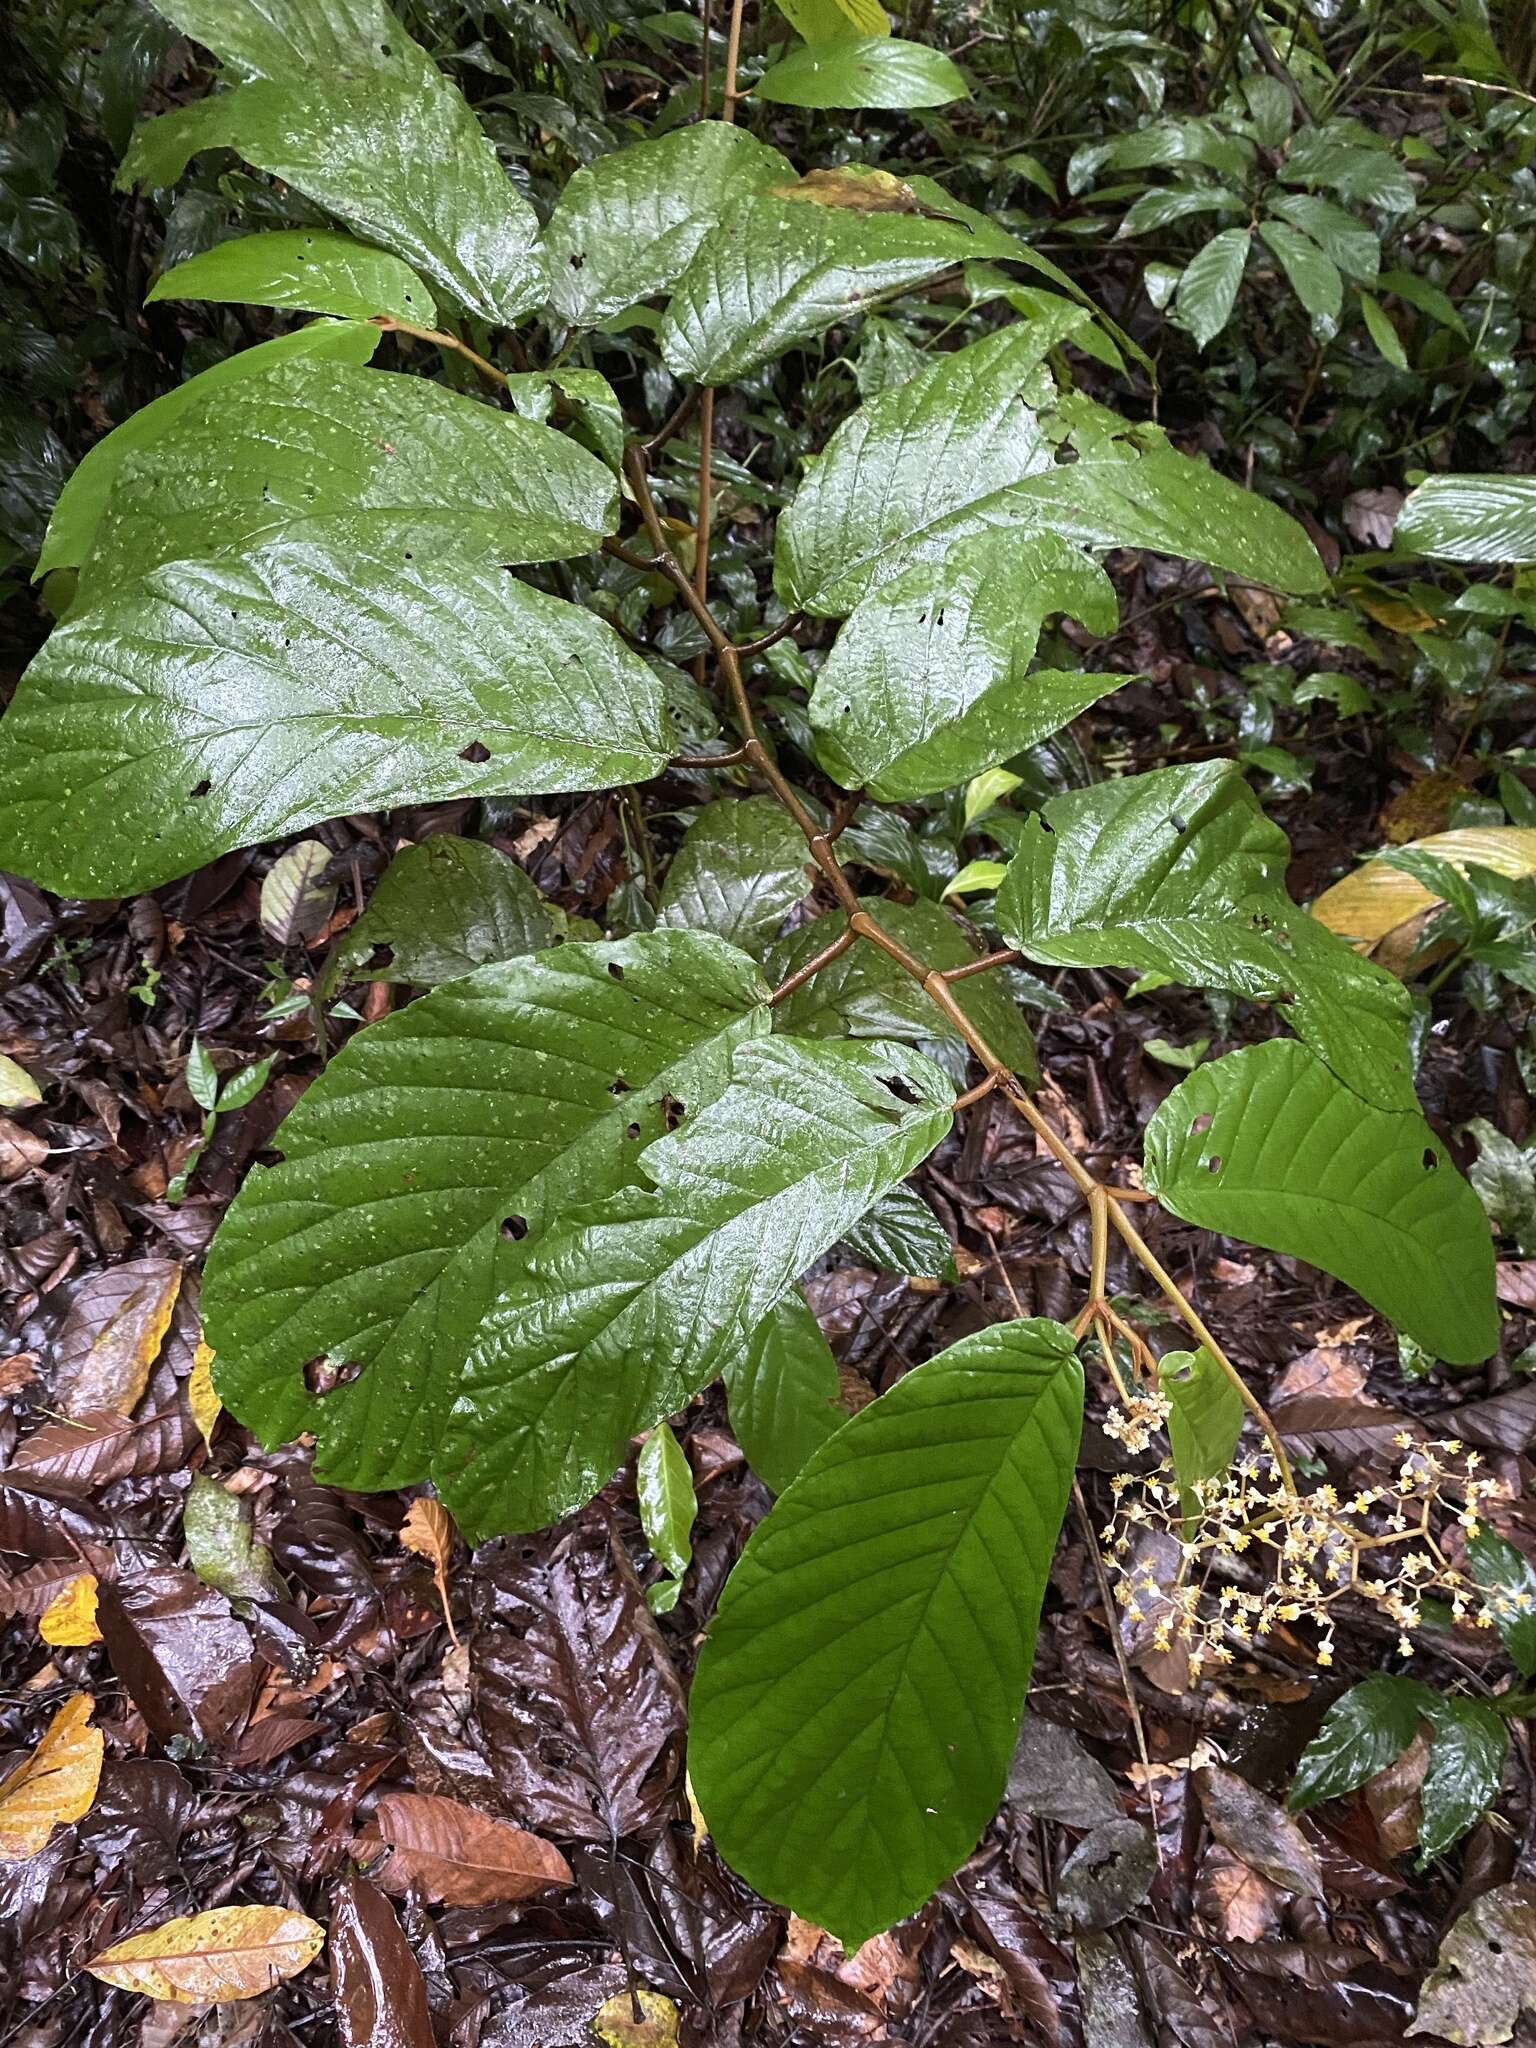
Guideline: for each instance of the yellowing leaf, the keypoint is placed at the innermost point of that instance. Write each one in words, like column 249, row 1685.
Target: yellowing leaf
column 428, row 1531
column 68, row 1622
column 55, row 1784
column 112, row 1336
column 1373, row 902
column 202, row 1395
column 206, row 1958
column 854, row 189
column 820, row 21
column 1396, row 615
column 615, row 2020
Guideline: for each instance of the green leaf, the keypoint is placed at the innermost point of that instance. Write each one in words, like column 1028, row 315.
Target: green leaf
column 1507, row 1579
column 245, row 1086
column 445, row 908
column 1425, row 297
column 1266, row 1145
column 620, row 1312
column 1205, row 1418
column 1314, row 276
column 1504, row 1175
column 928, row 683
column 857, row 1700
column 1178, row 873
column 788, row 262
column 221, row 1549
column 901, row 1234
column 211, row 705
column 72, row 529
column 821, row 21
column 740, row 869
column 627, row 226
column 202, row 1077
column 311, row 269
column 1208, row 289
column 1466, row 1763
column 1364, row 1730
column 866, row 994
column 781, row 1390
column 863, row 71
column 505, row 1098
column 357, row 147
column 664, row 1491
column 1164, row 204
column 18, row 1089
column 287, row 38
column 1470, row 519
column 1383, row 333
column 1365, row 177
column 1354, row 247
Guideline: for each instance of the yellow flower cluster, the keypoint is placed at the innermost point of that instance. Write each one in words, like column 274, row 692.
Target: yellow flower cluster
column 1310, row 1549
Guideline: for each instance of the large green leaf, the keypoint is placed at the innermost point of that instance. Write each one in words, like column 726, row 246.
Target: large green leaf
column 353, row 458
column 626, row 227
column 1364, row 1730
column 312, row 269
column 866, row 994
column 1208, row 289
column 622, row 1311
column 785, row 263
column 1179, row 873
column 928, row 683
column 401, row 160
column 901, row 1234
column 782, row 1392
column 1266, row 1145
column 288, row 38
column 863, row 71
column 500, row 1100
column 825, row 21
column 740, row 868
column 1471, row 519
column 1354, row 247
column 1314, row 275
column 210, row 705
column 859, row 1693
column 446, row 907
column 72, row 529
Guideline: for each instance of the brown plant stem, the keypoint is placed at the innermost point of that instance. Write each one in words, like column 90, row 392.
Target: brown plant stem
column 389, row 325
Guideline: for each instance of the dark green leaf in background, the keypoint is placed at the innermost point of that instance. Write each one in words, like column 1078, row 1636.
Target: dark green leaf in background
column 445, row 908
column 863, row 71
column 740, row 869
column 781, row 1390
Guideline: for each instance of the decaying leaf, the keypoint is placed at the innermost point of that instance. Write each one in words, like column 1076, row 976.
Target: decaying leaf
column 377, row 1988
column 69, row 1620
column 428, row 1532
column 1374, row 904
column 854, row 189
column 295, row 902
column 55, row 1784
column 209, row 1958
column 18, row 1090
column 112, row 1335
column 1486, row 1974
column 458, row 1856
column 1258, row 1832
column 223, row 1552
column 637, row 2019
column 202, row 1395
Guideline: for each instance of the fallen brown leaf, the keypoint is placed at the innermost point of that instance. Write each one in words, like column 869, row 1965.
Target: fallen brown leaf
column 428, row 1532
column 55, row 1784
column 459, row 1856
column 112, row 1335
column 208, row 1958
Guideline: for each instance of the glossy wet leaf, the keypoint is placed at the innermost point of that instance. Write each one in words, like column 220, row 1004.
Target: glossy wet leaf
column 857, row 1699
column 901, row 1234
column 1267, row 1145
column 313, row 270
column 444, row 908
column 111, row 1336
column 221, row 1546
column 455, row 1855
column 1466, row 1762
column 505, row 1098
column 69, row 1620
column 1470, row 519
column 1351, row 245
column 210, row 1958
column 626, row 226
column 258, row 39
column 741, row 868
column 1178, row 873
column 76, row 516
column 378, row 1992
column 1508, row 1579
column 53, row 1786
column 1208, row 289
column 665, row 1496
column 863, row 71
column 1205, row 1418
column 211, row 705
column 781, row 1391
column 620, row 1312
column 1364, row 1730
column 356, row 459
column 928, row 682
column 1313, row 275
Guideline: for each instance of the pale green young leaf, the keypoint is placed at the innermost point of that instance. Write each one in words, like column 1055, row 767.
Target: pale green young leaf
column 1267, row 1145
column 901, row 1234
column 493, row 1104
column 821, row 21
column 72, row 529
column 202, row 1077
column 1364, row 1730
column 1353, row 246
column 665, row 1496
column 211, row 705
column 444, row 908
column 1470, row 519
column 1208, row 289
column 863, row 71
column 928, row 682
column 1314, row 275
column 311, row 269
column 857, row 1701
column 1178, row 873
column 625, row 227
column 740, row 869
column 239, row 1089
column 18, row 1089
column 621, row 1311
column 1386, row 337
column 781, row 1391
column 1205, row 1418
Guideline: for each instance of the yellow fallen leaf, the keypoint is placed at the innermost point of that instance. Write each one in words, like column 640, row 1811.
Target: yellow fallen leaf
column 55, row 1784
column 1397, row 615
column 208, row 1958
column 1377, row 899
column 615, row 2020
column 68, row 1622
column 112, row 1335
column 202, row 1396
column 428, row 1532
